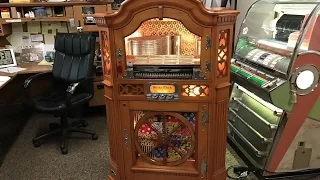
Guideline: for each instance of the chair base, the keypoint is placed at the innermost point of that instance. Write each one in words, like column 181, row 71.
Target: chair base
column 63, row 129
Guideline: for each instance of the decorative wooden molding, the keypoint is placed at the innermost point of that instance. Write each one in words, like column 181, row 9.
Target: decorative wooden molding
column 226, row 19
column 131, row 89
column 100, row 20
column 71, row 3
column 164, row 172
column 219, row 144
column 194, row 8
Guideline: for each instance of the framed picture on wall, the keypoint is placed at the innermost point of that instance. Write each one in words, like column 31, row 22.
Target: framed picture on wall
column 33, row 53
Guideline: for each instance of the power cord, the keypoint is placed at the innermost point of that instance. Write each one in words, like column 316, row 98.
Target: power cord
column 242, row 172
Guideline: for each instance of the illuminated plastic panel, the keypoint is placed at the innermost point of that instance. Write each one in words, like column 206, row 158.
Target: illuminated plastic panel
column 223, row 53
column 163, row 42
column 246, row 74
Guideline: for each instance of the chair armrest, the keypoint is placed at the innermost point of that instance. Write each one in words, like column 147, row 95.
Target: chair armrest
column 28, row 81
column 73, row 86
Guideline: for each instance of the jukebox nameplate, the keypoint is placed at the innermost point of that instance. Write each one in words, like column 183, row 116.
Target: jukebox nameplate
column 162, row 92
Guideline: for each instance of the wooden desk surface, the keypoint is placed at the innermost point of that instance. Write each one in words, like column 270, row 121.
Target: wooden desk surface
column 34, row 68
column 31, row 68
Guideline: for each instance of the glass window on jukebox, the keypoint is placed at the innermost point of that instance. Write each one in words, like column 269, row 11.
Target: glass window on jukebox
column 162, row 42
column 311, row 32
column 272, row 27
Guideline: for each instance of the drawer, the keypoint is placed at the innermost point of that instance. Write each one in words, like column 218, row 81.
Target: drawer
column 98, row 98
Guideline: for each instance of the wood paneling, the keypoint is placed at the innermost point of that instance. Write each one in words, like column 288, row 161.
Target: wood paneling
column 130, row 95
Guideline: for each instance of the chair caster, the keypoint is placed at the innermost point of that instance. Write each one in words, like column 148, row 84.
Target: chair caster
column 94, row 136
column 36, row 143
column 64, row 151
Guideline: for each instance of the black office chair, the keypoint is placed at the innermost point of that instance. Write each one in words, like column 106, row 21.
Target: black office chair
column 72, row 85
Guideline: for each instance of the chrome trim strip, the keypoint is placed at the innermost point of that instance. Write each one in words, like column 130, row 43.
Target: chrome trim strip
column 257, row 152
column 309, row 52
column 270, row 125
column 263, row 139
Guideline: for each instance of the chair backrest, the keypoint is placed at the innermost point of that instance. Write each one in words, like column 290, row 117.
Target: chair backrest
column 74, row 56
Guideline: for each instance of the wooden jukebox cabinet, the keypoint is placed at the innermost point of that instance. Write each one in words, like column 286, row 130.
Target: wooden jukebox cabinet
column 166, row 76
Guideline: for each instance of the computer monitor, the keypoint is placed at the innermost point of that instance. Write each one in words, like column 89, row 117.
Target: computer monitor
column 7, row 58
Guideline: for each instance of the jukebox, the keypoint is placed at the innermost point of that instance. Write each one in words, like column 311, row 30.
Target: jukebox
column 166, row 76
column 274, row 110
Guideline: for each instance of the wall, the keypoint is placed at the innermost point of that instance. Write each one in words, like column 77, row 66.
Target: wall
column 22, row 34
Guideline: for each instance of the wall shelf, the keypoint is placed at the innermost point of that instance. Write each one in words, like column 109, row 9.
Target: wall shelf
column 19, row 20
column 35, row 4
column 58, row 12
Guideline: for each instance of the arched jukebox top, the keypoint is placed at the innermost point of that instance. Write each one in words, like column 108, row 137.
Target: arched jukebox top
column 176, row 52
column 166, row 39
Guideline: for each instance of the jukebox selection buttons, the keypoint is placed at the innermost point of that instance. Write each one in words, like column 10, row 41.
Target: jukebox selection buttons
column 154, row 96
column 169, row 96
column 162, row 92
column 162, row 97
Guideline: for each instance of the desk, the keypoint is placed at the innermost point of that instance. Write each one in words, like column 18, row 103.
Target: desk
column 14, row 114
column 31, row 68
column 13, row 92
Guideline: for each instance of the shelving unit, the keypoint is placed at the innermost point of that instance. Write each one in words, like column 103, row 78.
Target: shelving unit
column 17, row 20
column 61, row 12
column 68, row 11
column 36, row 4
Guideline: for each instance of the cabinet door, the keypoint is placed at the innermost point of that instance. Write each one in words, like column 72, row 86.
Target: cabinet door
column 164, row 137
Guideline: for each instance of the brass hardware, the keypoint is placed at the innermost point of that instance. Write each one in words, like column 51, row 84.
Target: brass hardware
column 293, row 98
column 128, row 74
column 126, row 138
column 205, row 117
column 112, row 172
column 208, row 42
column 203, row 167
column 207, row 66
column 197, row 74
column 120, row 54
column 160, row 11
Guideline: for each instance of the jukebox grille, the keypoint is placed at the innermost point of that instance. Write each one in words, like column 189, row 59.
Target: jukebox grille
column 164, row 138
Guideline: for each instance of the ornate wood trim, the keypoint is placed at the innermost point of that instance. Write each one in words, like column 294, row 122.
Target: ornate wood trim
column 195, row 9
column 165, row 172
column 131, row 89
